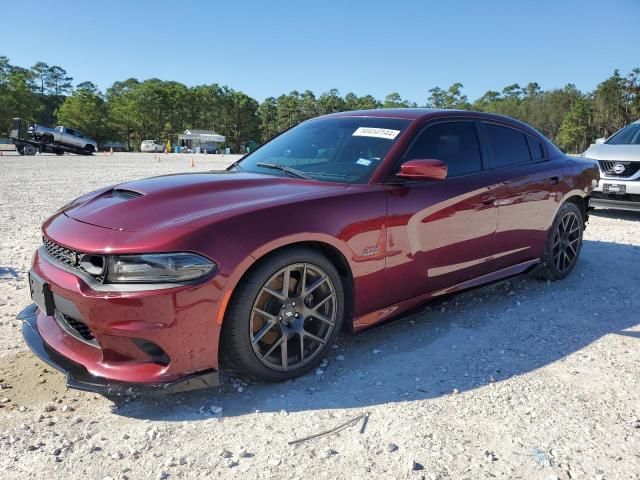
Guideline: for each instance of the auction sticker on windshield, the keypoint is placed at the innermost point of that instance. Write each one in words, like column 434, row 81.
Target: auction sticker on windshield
column 376, row 132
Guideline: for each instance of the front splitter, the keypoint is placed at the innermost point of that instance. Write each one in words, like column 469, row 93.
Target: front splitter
column 79, row 378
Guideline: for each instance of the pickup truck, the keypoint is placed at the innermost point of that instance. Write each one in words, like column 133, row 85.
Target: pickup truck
column 63, row 136
column 31, row 139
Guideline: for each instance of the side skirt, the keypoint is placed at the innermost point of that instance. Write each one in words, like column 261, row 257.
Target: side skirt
column 383, row 314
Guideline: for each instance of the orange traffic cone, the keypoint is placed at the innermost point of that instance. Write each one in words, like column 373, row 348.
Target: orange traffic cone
column 192, row 162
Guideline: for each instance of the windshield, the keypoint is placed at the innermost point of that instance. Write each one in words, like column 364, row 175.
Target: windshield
column 336, row 149
column 629, row 135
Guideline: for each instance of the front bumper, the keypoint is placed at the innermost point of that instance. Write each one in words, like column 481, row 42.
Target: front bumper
column 139, row 341
column 604, row 197
column 78, row 377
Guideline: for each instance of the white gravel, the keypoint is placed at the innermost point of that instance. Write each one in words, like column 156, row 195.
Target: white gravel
column 526, row 380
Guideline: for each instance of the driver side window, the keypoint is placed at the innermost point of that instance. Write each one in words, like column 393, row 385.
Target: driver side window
column 455, row 143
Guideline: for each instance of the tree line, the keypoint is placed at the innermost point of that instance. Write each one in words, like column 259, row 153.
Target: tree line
column 132, row 110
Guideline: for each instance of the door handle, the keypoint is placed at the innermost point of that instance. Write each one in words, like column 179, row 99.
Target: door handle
column 554, row 180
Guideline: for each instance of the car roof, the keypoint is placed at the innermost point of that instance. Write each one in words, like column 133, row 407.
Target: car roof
column 423, row 114
column 408, row 113
column 426, row 113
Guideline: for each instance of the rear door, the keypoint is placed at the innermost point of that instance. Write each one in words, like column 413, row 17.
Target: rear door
column 530, row 188
column 440, row 232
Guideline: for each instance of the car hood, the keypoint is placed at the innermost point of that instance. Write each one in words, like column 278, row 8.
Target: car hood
column 622, row 153
column 188, row 200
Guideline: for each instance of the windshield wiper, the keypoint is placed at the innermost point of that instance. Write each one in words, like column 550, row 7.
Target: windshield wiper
column 284, row 168
column 237, row 167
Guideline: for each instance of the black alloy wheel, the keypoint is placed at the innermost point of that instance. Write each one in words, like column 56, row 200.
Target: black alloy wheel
column 564, row 243
column 293, row 317
column 284, row 315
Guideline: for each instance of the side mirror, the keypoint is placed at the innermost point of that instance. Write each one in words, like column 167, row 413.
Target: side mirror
column 600, row 140
column 429, row 169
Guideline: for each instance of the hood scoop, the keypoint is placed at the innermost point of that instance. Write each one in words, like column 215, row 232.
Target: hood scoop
column 124, row 194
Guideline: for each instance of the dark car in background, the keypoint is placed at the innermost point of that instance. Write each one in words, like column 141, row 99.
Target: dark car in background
column 341, row 222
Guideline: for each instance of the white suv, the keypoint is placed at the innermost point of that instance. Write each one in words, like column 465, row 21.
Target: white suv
column 619, row 160
column 151, row 146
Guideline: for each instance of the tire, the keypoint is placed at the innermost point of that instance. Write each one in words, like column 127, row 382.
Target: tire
column 262, row 327
column 30, row 149
column 20, row 149
column 88, row 149
column 59, row 152
column 562, row 248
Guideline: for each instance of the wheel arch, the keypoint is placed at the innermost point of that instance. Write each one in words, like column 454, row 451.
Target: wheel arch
column 326, row 247
column 579, row 200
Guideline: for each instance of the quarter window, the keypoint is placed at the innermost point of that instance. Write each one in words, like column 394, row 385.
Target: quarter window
column 509, row 146
column 455, row 143
column 535, row 148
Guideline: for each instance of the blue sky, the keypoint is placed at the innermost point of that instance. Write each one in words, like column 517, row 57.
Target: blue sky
column 373, row 47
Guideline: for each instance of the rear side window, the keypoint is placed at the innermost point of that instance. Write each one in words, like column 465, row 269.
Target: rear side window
column 535, row 148
column 509, row 146
column 455, row 143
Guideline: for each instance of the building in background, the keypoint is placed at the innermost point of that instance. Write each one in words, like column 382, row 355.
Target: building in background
column 200, row 140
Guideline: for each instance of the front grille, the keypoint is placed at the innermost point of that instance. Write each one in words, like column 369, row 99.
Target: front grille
column 608, row 167
column 63, row 255
column 76, row 328
column 68, row 257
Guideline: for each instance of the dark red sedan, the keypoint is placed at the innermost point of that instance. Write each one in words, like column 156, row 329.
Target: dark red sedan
column 339, row 223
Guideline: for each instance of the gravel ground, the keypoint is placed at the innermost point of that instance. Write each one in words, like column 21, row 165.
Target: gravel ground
column 527, row 380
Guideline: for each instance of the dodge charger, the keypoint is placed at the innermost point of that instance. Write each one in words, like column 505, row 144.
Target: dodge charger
column 338, row 224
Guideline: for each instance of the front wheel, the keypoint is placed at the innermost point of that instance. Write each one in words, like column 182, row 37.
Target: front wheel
column 563, row 244
column 88, row 150
column 284, row 316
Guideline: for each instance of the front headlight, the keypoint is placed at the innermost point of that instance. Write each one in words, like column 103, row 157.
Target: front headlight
column 157, row 268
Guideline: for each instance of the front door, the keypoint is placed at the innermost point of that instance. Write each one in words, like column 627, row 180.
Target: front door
column 440, row 232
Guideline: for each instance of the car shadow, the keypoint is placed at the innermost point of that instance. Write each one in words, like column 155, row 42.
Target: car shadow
column 616, row 214
column 459, row 344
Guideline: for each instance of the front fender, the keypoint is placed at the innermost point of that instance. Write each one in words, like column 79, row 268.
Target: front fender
column 352, row 224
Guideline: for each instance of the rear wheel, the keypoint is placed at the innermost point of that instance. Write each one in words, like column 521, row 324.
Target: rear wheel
column 30, row 149
column 284, row 316
column 563, row 244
